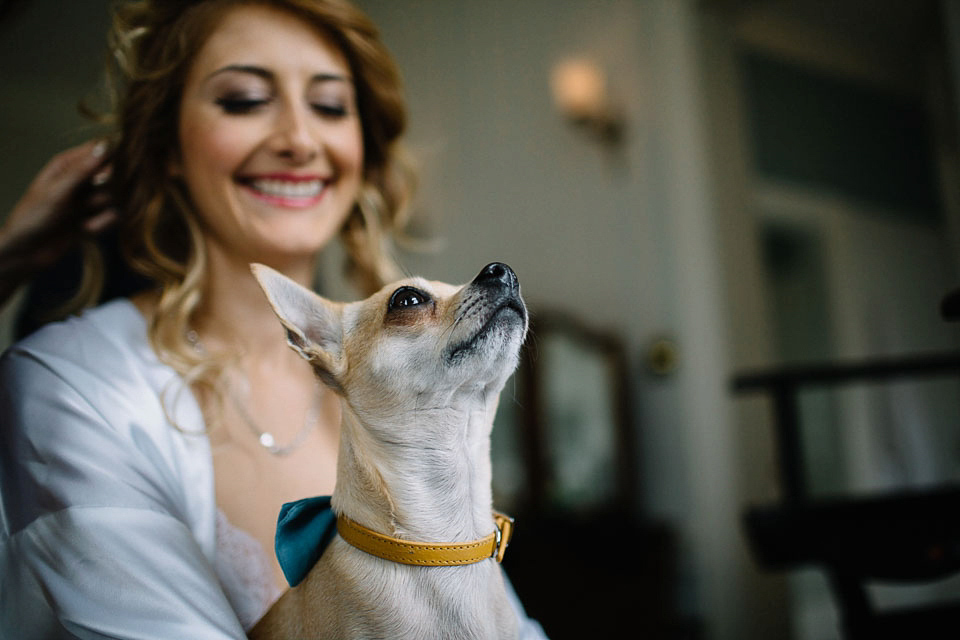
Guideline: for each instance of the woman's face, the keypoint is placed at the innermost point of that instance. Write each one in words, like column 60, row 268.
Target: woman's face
column 271, row 148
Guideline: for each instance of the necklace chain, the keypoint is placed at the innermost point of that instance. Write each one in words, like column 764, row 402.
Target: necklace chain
column 265, row 438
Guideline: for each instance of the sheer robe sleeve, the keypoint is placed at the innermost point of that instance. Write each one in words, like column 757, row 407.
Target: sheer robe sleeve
column 102, row 525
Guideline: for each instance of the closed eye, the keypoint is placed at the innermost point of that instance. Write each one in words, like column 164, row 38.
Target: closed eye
column 240, row 106
column 330, row 110
column 407, row 298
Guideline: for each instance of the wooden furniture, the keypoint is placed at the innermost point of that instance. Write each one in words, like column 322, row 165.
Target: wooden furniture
column 908, row 536
column 583, row 559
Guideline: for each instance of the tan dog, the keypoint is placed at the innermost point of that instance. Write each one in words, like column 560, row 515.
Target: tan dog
column 419, row 367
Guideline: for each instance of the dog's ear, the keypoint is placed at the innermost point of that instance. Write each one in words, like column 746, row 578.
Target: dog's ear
column 313, row 324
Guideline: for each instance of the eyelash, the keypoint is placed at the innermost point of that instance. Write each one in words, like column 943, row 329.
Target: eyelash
column 330, row 110
column 243, row 106
column 240, row 106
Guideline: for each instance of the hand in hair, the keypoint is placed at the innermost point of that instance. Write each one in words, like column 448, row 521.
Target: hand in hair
column 67, row 200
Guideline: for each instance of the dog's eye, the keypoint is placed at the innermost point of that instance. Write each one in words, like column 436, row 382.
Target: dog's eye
column 406, row 297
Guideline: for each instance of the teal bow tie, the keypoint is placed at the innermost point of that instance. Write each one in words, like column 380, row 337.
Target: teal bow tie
column 304, row 529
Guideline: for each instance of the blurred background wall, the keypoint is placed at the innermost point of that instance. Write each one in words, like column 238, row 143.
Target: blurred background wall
column 776, row 183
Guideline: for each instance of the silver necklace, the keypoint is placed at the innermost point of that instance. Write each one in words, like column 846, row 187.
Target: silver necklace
column 265, row 438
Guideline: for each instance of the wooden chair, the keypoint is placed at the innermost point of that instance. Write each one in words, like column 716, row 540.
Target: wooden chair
column 907, row 537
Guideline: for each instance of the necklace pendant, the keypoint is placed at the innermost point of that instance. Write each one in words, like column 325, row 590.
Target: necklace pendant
column 267, row 441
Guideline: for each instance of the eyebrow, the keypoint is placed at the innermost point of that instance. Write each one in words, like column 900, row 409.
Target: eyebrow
column 266, row 74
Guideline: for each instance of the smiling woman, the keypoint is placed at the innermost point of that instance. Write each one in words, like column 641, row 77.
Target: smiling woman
column 148, row 445
column 271, row 145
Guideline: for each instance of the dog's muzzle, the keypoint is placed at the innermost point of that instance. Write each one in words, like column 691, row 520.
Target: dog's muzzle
column 492, row 305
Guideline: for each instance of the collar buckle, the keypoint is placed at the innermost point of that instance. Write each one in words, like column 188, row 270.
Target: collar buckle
column 503, row 534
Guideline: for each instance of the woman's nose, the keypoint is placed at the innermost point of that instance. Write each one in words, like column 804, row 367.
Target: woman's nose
column 294, row 136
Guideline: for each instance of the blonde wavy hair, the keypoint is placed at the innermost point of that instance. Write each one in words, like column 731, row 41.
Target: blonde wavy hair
column 153, row 43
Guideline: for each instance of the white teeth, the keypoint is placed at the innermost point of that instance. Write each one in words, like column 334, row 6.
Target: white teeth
column 284, row 189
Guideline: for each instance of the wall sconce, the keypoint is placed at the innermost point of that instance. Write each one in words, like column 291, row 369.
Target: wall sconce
column 580, row 93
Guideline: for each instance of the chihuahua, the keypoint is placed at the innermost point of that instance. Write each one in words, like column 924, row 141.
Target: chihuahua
column 418, row 368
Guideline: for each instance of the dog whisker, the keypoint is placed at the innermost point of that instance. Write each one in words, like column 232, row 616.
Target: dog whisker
column 445, row 334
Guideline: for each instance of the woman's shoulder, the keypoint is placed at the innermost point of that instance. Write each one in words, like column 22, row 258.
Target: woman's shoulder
column 92, row 384
column 98, row 336
column 102, row 355
column 91, row 418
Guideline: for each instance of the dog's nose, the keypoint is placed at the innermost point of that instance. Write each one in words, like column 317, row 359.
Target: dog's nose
column 498, row 274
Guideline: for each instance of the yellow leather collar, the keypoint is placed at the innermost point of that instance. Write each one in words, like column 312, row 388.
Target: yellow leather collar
column 427, row 554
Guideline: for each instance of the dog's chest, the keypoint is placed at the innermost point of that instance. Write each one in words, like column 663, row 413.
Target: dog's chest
column 386, row 600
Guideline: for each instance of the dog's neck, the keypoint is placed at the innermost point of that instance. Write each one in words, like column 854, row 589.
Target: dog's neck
column 430, row 479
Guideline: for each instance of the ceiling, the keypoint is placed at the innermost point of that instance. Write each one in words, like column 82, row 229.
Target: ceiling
column 885, row 40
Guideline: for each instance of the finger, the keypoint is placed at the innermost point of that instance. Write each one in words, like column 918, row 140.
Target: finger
column 102, row 176
column 82, row 158
column 47, row 198
column 101, row 221
column 93, row 203
column 68, row 168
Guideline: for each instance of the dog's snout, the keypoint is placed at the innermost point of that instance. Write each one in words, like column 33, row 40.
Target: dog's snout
column 499, row 275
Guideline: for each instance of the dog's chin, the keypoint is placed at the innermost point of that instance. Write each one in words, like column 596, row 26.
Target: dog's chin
column 500, row 336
